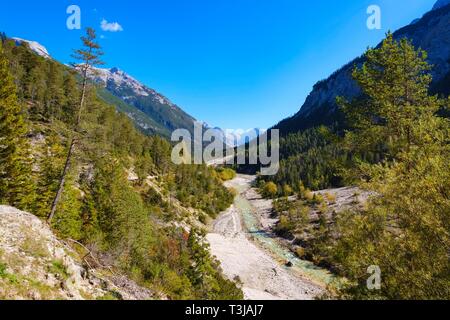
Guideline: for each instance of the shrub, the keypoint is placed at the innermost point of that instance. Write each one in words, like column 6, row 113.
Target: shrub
column 3, row 272
column 270, row 190
column 308, row 195
column 226, row 174
column 331, row 197
column 287, row 190
column 300, row 252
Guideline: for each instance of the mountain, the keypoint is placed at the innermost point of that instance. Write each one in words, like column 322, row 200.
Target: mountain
column 164, row 116
column 123, row 206
column 441, row 3
column 151, row 111
column 431, row 33
column 35, row 47
column 235, row 138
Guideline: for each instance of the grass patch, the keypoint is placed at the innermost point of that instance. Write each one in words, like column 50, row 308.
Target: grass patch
column 3, row 272
column 32, row 246
column 57, row 267
column 112, row 295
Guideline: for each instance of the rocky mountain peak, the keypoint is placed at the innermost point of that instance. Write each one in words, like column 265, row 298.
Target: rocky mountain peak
column 36, row 47
column 440, row 4
column 431, row 33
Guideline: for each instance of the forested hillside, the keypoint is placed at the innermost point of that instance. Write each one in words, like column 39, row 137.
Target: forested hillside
column 397, row 150
column 149, row 109
column 310, row 150
column 122, row 197
column 431, row 33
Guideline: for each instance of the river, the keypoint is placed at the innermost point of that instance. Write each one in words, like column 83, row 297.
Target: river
column 253, row 255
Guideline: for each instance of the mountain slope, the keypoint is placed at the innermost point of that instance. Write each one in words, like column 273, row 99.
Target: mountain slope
column 36, row 47
column 431, row 33
column 141, row 120
column 151, row 111
column 441, row 3
column 164, row 115
column 34, row 264
column 124, row 200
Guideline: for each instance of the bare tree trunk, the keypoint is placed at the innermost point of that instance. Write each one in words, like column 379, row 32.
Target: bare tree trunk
column 70, row 153
column 62, row 181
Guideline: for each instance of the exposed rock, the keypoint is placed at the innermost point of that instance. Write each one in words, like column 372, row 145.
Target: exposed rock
column 262, row 275
column 35, row 265
column 431, row 33
column 132, row 176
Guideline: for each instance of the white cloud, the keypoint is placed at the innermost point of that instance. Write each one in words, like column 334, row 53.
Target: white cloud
column 111, row 26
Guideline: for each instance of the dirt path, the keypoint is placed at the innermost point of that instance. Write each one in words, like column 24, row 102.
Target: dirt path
column 262, row 276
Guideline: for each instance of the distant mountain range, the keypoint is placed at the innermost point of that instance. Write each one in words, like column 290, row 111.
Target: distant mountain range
column 431, row 33
column 236, row 138
column 164, row 116
column 151, row 111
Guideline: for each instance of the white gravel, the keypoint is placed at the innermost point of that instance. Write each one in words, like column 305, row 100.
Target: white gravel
column 263, row 277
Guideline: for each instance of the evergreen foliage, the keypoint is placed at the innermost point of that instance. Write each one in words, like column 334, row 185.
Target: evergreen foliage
column 405, row 229
column 16, row 187
column 397, row 148
column 122, row 221
column 312, row 158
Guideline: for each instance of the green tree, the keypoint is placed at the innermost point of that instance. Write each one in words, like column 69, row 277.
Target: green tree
column 405, row 229
column 89, row 57
column 72, row 98
column 15, row 165
column 203, row 273
column 54, row 96
column 395, row 81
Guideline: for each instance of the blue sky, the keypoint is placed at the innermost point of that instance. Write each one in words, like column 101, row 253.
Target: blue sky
column 231, row 63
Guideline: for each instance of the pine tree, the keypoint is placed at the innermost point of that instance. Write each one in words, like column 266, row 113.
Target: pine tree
column 54, row 95
column 72, row 98
column 15, row 167
column 395, row 80
column 405, row 229
column 89, row 57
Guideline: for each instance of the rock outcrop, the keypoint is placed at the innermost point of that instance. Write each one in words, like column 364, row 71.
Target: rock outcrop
column 35, row 265
column 431, row 33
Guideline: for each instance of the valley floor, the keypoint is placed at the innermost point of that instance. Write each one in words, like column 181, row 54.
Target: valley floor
column 248, row 253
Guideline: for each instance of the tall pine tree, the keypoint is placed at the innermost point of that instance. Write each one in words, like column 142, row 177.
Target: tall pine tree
column 89, row 58
column 15, row 165
column 405, row 228
column 395, row 81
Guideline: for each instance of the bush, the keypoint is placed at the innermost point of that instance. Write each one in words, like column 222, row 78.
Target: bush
column 270, row 190
column 226, row 174
column 300, row 252
column 331, row 197
column 308, row 195
column 3, row 272
column 287, row 190
column 294, row 216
